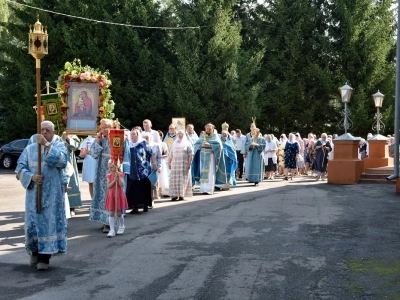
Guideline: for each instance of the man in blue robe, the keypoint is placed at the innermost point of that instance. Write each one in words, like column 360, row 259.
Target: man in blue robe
column 45, row 232
column 253, row 154
column 170, row 136
column 101, row 152
column 230, row 158
column 208, row 160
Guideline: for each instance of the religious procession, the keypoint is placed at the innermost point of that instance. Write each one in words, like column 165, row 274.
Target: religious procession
column 127, row 171
column 130, row 170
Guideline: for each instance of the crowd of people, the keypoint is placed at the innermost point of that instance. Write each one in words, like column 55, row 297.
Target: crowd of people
column 153, row 166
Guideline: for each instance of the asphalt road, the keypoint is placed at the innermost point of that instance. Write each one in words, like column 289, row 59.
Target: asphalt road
column 281, row 240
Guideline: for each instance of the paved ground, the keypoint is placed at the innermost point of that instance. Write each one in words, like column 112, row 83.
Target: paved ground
column 282, row 240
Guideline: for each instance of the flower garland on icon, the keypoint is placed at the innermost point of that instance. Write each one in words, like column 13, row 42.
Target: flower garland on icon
column 74, row 72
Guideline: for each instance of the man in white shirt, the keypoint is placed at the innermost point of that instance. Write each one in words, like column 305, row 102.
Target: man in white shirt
column 191, row 134
column 240, row 149
column 147, row 128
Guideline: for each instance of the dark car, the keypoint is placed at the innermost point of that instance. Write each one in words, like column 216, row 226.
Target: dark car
column 9, row 153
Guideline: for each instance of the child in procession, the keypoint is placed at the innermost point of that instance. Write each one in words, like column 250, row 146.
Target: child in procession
column 115, row 199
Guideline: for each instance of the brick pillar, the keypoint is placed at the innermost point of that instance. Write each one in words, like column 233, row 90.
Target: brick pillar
column 378, row 153
column 345, row 168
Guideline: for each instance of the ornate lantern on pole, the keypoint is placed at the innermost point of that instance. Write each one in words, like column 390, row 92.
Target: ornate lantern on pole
column 378, row 99
column 38, row 48
column 345, row 94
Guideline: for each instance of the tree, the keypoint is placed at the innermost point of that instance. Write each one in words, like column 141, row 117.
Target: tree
column 130, row 54
column 362, row 34
column 281, row 62
column 296, row 73
column 211, row 78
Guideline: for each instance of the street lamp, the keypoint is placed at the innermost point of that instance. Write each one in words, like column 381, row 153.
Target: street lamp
column 345, row 94
column 38, row 43
column 378, row 99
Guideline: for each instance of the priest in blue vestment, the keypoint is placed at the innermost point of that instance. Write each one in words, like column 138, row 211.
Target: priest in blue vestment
column 254, row 151
column 45, row 232
column 230, row 158
column 208, row 160
column 170, row 136
column 101, row 152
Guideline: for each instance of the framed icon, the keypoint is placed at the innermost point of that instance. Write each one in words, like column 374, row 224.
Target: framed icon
column 52, row 108
column 180, row 123
column 82, row 107
column 116, row 142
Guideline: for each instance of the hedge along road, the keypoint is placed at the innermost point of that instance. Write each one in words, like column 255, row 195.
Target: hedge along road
column 300, row 239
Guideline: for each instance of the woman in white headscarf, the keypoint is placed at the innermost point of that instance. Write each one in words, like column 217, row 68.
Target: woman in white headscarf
column 300, row 160
column 179, row 161
column 142, row 161
column 291, row 153
column 157, row 152
column 270, row 157
column 281, row 154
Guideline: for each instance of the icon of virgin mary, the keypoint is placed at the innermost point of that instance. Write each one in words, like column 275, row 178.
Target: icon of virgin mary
column 83, row 107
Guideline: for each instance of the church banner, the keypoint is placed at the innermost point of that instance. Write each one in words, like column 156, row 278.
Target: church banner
column 51, row 108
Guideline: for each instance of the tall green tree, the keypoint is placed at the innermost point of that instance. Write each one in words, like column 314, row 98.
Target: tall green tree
column 362, row 33
column 211, row 78
column 130, row 54
column 281, row 62
column 296, row 76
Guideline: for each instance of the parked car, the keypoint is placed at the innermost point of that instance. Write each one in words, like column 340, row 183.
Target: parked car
column 9, row 153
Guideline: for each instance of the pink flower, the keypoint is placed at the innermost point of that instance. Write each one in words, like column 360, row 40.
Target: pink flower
column 66, row 85
column 65, row 118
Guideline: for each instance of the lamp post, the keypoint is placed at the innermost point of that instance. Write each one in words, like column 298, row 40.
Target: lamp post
column 345, row 94
column 38, row 43
column 378, row 99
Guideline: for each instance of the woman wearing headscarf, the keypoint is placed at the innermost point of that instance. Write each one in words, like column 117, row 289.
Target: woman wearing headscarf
column 362, row 149
column 156, row 148
column 270, row 157
column 142, row 161
column 179, row 161
column 322, row 147
column 281, row 154
column 309, row 153
column 300, row 157
column 291, row 152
